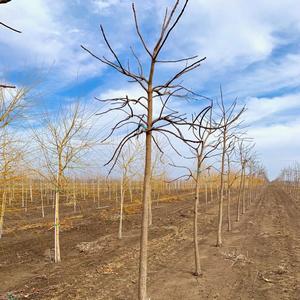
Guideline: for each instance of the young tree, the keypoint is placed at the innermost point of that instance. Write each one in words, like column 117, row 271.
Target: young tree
column 228, row 131
column 203, row 133
column 203, row 129
column 244, row 156
column 11, row 108
column 231, row 179
column 139, row 113
column 63, row 140
column 126, row 163
column 10, row 157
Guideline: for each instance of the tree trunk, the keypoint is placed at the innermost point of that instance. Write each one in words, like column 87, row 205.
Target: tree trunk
column 98, row 193
column 228, row 210
column 23, row 198
column 142, row 293
column 42, row 199
column 130, row 191
column 121, row 208
column 196, row 204
column 243, row 194
column 31, row 194
column 228, row 196
column 57, row 258
column 239, row 197
column 206, row 196
column 2, row 212
column 220, row 217
column 74, row 196
column 56, row 228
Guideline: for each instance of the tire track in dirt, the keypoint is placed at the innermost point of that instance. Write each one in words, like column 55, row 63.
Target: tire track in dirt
column 250, row 227
column 175, row 281
column 273, row 271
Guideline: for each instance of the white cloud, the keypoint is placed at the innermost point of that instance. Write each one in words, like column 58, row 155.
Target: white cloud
column 102, row 5
column 48, row 40
column 264, row 109
column 277, row 145
column 271, row 76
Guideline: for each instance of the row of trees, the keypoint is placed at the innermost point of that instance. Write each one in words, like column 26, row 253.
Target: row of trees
column 212, row 136
column 222, row 156
column 290, row 178
column 210, row 131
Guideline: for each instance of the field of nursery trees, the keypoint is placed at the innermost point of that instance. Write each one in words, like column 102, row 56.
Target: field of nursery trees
column 159, row 193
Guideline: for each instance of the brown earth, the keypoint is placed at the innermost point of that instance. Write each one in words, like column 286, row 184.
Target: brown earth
column 260, row 258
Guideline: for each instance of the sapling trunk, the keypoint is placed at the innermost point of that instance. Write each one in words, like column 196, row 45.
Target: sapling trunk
column 130, row 191
column 98, row 192
column 121, row 207
column 196, row 204
column 206, row 196
column 31, row 193
column 74, row 196
column 57, row 257
column 3, row 206
column 220, row 216
column 239, row 197
column 228, row 195
column 228, row 210
column 243, row 194
column 42, row 200
column 23, row 198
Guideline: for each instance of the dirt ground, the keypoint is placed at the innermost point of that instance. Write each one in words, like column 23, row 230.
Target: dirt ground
column 260, row 258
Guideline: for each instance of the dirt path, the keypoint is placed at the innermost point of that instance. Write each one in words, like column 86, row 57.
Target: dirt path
column 260, row 258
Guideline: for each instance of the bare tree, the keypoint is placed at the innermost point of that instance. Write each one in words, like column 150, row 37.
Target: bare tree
column 10, row 156
column 156, row 94
column 63, row 140
column 244, row 156
column 231, row 179
column 11, row 108
column 126, row 163
column 229, row 117
column 12, row 104
column 203, row 129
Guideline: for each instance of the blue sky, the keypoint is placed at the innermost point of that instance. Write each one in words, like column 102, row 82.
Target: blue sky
column 252, row 49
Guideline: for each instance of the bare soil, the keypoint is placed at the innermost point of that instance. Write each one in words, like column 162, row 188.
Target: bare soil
column 260, row 258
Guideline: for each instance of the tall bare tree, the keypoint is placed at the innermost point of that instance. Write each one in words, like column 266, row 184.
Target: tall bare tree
column 156, row 94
